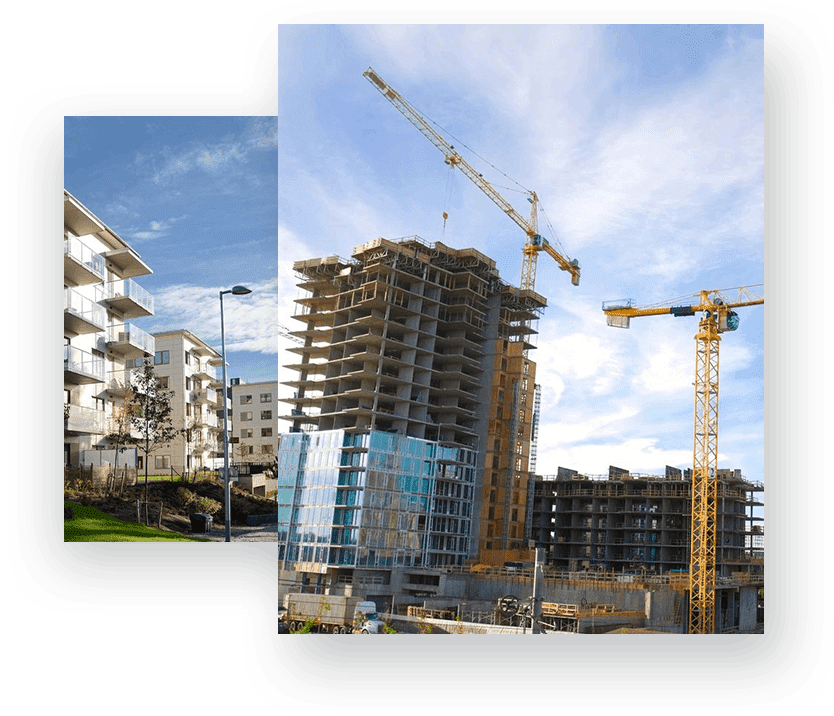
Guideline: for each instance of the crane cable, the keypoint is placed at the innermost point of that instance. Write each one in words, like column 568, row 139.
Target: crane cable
column 446, row 201
column 522, row 189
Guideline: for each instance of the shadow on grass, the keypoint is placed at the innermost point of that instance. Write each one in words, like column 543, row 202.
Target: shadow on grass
column 92, row 525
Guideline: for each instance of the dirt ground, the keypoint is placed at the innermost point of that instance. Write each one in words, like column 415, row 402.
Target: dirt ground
column 175, row 509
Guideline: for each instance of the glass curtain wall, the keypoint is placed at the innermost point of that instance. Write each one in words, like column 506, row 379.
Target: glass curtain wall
column 372, row 500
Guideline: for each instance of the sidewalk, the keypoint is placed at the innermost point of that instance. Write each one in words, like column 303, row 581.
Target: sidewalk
column 260, row 533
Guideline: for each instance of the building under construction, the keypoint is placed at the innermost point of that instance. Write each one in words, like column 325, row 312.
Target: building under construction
column 425, row 342
column 625, row 522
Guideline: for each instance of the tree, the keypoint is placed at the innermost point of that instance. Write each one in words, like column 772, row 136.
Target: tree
column 148, row 410
column 120, row 436
column 192, row 434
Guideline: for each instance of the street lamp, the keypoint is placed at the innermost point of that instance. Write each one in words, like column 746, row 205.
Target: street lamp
column 227, row 490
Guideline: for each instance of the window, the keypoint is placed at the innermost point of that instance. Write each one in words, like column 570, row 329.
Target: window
column 162, row 462
column 266, row 415
column 187, row 358
column 246, row 415
column 245, row 399
column 247, row 433
column 188, row 409
column 162, row 382
column 266, row 432
column 98, row 403
column 187, row 383
column 162, row 357
column 266, row 449
column 266, row 397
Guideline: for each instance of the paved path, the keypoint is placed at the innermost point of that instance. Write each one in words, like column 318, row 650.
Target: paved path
column 260, row 533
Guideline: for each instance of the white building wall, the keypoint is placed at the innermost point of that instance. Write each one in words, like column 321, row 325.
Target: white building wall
column 254, row 422
column 92, row 404
column 184, row 361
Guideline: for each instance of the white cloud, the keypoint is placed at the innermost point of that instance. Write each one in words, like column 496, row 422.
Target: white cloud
column 157, row 229
column 638, row 455
column 251, row 321
column 220, row 157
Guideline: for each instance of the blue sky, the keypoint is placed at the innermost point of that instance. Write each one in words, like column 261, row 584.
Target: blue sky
column 645, row 145
column 195, row 197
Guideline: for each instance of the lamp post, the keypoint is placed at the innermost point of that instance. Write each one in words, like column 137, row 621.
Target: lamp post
column 227, row 490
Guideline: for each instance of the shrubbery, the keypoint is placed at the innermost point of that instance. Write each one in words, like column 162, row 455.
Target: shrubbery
column 191, row 501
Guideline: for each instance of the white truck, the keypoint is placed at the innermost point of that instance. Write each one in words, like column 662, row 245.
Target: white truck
column 332, row 614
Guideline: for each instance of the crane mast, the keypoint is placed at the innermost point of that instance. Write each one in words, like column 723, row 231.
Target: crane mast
column 535, row 243
column 718, row 316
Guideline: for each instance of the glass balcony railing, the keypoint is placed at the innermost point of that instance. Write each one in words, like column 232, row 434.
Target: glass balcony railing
column 129, row 336
column 127, row 288
column 93, row 262
column 80, row 307
column 87, row 420
column 83, row 363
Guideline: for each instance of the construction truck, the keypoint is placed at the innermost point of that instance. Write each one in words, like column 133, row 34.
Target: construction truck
column 331, row 614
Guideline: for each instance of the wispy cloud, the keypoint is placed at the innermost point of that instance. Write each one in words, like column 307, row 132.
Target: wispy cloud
column 251, row 321
column 155, row 230
column 214, row 158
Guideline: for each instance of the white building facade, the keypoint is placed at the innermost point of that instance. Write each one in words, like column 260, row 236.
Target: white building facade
column 254, row 425
column 101, row 339
column 187, row 366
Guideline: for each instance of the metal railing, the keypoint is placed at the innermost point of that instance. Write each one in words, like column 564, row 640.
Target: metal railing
column 82, row 253
column 84, row 307
column 133, row 335
column 82, row 362
column 129, row 288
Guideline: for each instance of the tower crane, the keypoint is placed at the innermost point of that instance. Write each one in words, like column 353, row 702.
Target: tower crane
column 535, row 242
column 717, row 316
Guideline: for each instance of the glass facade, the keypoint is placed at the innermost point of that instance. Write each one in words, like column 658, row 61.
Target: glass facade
column 373, row 499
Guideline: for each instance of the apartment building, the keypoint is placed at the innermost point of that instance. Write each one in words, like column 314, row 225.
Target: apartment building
column 425, row 343
column 255, row 427
column 102, row 302
column 187, row 366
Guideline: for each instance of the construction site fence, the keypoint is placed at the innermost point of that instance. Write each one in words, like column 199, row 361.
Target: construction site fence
column 679, row 581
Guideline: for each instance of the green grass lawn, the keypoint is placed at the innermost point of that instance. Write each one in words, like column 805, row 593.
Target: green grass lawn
column 92, row 525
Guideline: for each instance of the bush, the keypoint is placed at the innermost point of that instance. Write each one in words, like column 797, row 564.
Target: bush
column 191, row 501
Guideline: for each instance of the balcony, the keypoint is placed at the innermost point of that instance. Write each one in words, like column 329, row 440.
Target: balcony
column 129, row 341
column 205, row 371
column 82, row 368
column 82, row 265
column 129, row 298
column 86, row 421
column 128, row 262
column 118, row 381
column 82, row 314
column 204, row 396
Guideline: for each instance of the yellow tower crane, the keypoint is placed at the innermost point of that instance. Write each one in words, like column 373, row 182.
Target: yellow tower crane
column 535, row 242
column 717, row 316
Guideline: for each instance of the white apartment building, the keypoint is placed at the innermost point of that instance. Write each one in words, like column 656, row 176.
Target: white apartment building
column 254, row 421
column 101, row 339
column 187, row 365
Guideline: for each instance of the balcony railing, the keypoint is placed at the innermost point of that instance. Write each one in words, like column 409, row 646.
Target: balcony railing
column 130, row 340
column 82, row 314
column 86, row 420
column 206, row 395
column 118, row 381
column 85, row 265
column 129, row 297
column 86, row 367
